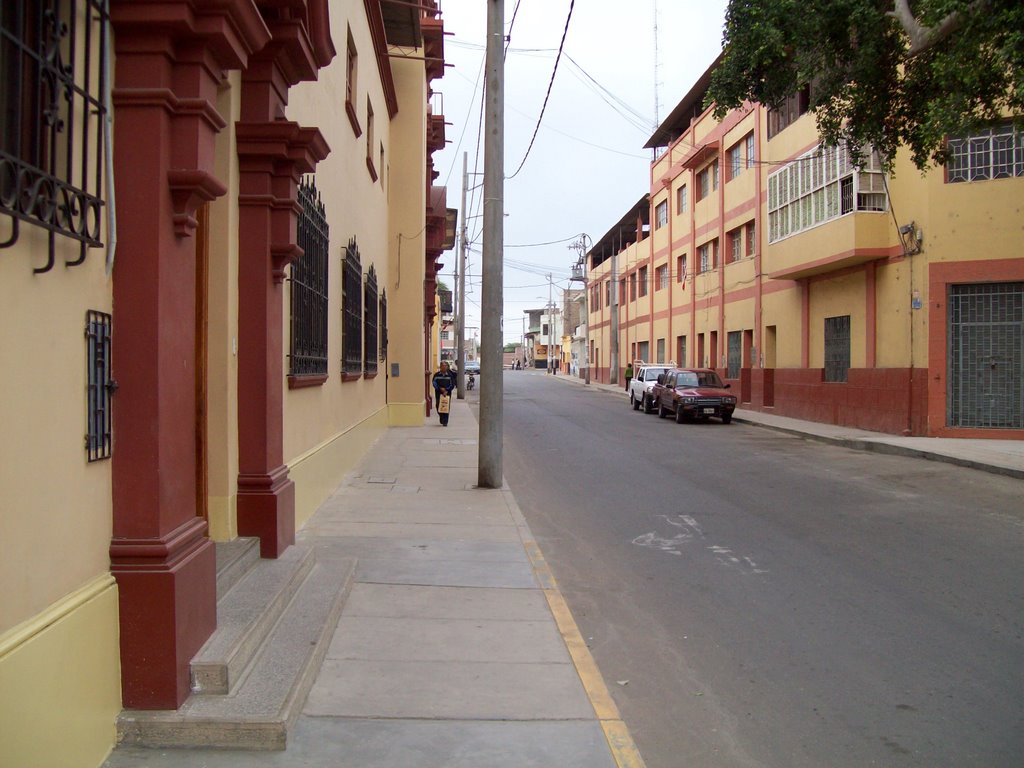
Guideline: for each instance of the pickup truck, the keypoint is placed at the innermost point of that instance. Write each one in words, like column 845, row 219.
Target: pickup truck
column 641, row 384
column 693, row 393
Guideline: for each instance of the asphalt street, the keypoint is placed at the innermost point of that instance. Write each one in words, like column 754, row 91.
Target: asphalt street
column 757, row 599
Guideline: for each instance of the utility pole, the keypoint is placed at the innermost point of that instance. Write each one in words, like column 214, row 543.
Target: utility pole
column 460, row 341
column 613, row 373
column 523, row 347
column 580, row 275
column 489, row 473
column 551, row 323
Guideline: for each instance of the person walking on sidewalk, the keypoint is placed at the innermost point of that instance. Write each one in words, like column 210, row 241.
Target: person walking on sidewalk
column 628, row 374
column 444, row 384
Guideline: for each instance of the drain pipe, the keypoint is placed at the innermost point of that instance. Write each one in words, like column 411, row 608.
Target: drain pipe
column 108, row 141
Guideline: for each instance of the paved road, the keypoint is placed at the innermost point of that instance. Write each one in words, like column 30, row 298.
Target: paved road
column 755, row 599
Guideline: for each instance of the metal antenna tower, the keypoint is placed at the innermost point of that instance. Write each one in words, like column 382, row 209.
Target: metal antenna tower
column 657, row 70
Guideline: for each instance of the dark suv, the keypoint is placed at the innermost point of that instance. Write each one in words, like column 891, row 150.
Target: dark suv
column 693, row 393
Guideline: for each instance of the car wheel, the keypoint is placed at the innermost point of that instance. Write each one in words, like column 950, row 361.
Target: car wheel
column 648, row 405
column 726, row 418
column 634, row 402
column 680, row 414
column 662, row 411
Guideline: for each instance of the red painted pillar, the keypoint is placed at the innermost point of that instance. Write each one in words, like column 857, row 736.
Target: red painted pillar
column 165, row 125
column 272, row 155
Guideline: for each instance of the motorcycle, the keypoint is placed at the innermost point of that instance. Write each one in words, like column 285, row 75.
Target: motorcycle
column 470, row 381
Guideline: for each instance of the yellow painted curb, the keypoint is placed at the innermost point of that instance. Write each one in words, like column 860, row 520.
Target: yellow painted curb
column 620, row 742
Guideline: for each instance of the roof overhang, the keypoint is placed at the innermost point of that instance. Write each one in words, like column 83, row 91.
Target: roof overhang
column 402, row 22
column 623, row 234
column 701, row 154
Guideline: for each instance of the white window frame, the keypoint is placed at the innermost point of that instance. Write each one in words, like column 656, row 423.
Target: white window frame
column 993, row 153
column 661, row 214
column 808, row 191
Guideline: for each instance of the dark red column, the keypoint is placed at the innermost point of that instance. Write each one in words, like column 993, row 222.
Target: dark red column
column 273, row 153
column 272, row 157
column 169, row 66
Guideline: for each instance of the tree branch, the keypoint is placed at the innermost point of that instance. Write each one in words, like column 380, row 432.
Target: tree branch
column 923, row 38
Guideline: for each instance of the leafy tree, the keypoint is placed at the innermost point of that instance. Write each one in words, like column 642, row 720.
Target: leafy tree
column 884, row 73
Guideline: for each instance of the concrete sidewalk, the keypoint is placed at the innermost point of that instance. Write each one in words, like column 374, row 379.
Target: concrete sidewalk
column 455, row 647
column 1003, row 457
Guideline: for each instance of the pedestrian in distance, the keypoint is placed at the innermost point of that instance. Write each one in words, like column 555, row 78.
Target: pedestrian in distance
column 628, row 374
column 444, row 382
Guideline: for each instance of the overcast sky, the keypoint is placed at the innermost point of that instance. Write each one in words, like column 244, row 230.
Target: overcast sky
column 587, row 166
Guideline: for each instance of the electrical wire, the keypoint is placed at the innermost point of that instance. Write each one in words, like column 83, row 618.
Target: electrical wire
column 465, row 123
column 536, row 245
column 551, row 82
column 508, row 39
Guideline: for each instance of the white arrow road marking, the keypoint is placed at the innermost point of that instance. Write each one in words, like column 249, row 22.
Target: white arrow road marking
column 689, row 529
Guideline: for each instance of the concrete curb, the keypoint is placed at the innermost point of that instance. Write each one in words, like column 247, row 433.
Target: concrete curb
column 880, row 445
column 620, row 742
column 889, row 449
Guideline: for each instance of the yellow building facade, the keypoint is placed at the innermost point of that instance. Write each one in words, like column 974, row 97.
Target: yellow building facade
column 820, row 287
column 262, row 164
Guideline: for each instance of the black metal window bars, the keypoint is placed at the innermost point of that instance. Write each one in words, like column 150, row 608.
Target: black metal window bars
column 100, row 385
column 382, row 324
column 308, row 354
column 837, row 348
column 52, row 85
column 370, row 323
column 352, row 311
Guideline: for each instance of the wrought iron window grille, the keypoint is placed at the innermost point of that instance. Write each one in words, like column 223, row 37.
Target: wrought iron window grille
column 309, row 311
column 382, row 324
column 101, row 385
column 352, row 311
column 52, row 82
column 837, row 348
column 734, row 349
column 370, row 323
column 985, row 331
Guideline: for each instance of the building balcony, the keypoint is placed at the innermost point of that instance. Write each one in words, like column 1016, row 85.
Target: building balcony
column 433, row 46
column 435, row 123
column 440, row 222
column 849, row 241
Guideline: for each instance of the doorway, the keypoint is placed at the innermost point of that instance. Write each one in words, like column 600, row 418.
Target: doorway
column 986, row 356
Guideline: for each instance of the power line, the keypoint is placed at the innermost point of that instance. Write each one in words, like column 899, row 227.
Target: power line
column 508, row 40
column 551, row 83
column 537, row 245
column 465, row 123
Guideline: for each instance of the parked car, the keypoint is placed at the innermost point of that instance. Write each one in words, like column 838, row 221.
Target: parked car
column 473, row 366
column 693, row 393
column 642, row 383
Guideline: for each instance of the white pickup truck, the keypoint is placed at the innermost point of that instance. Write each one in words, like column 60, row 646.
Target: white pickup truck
column 644, row 378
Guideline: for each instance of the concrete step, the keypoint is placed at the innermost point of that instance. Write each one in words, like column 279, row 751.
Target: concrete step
column 268, row 697
column 234, row 559
column 245, row 614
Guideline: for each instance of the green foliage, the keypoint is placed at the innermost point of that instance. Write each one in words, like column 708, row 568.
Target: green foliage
column 510, row 347
column 868, row 86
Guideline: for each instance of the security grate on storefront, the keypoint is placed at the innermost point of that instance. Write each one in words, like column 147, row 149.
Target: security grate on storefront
column 986, row 356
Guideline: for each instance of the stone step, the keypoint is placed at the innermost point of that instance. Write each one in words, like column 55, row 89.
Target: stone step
column 245, row 614
column 234, row 559
column 268, row 697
